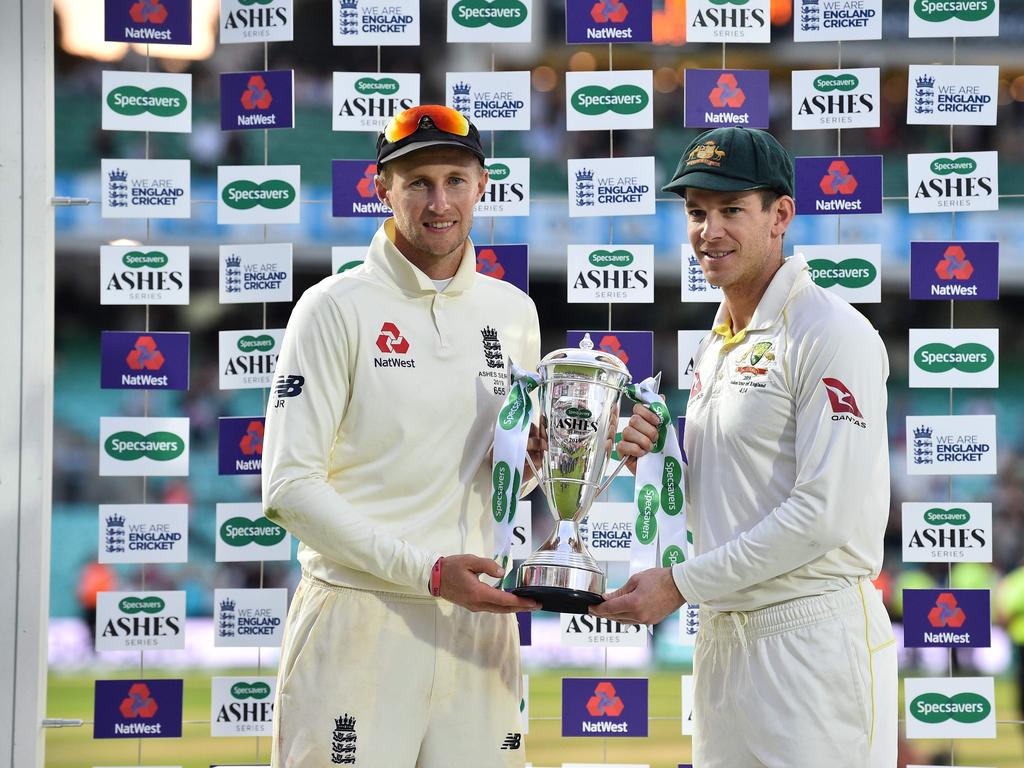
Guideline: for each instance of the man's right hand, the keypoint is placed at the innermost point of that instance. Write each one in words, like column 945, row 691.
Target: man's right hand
column 460, row 584
column 639, row 436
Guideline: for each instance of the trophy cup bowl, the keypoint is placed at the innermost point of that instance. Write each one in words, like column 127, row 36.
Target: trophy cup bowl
column 579, row 391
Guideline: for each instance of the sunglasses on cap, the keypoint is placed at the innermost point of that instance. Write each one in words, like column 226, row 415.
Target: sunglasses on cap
column 407, row 122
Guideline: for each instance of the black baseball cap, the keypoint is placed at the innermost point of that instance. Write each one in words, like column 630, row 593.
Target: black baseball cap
column 733, row 159
column 428, row 125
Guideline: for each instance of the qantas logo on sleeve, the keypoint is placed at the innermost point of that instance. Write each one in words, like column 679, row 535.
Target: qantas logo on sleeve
column 844, row 405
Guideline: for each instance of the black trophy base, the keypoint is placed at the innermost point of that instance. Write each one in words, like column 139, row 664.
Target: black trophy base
column 560, row 599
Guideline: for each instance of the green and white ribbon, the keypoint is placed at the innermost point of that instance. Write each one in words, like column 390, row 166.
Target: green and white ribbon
column 511, row 434
column 660, row 512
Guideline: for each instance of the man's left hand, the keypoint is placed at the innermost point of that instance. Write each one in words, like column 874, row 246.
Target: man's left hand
column 647, row 598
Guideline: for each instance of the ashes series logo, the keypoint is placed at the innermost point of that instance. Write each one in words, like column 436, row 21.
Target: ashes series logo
column 728, row 21
column 847, row 98
column 508, row 188
column 147, row 101
column 248, row 358
column 612, row 21
column 618, row 273
column 489, row 21
column 136, row 621
column 716, row 97
column 242, row 706
column 365, row 101
column 141, row 189
column 152, row 274
column 947, row 532
column 837, row 20
column 497, row 101
column 240, row 445
column 957, row 95
column 961, row 181
column 622, row 186
column 247, row 21
column 249, row 618
column 376, row 22
column 148, row 21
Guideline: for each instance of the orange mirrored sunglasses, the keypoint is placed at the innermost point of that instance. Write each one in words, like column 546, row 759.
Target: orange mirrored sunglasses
column 407, row 122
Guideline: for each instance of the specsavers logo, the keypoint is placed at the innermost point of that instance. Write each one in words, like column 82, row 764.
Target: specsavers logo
column 133, row 605
column 244, row 691
column 241, row 531
column 943, row 166
column 622, row 99
column 967, row 707
column 130, row 100
column 844, row 82
column 944, row 10
column 243, row 195
column 940, row 358
column 369, row 86
column 255, row 344
column 504, row 14
column 130, row 446
column 849, row 273
column 139, row 259
column 618, row 258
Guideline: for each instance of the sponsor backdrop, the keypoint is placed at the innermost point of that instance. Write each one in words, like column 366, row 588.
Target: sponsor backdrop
column 620, row 270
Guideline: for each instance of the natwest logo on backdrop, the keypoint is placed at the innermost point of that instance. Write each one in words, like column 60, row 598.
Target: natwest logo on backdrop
column 494, row 101
column 240, row 445
column 951, row 445
column 141, row 360
column 258, row 194
column 954, row 18
column 947, row 532
column 255, row 272
column 144, row 274
column 621, row 99
column 954, row 271
column 623, row 274
column 147, row 101
column 508, row 188
column 604, row 707
column 946, row 618
column 837, row 20
column 621, row 186
column 717, row 97
column 352, row 190
column 846, row 98
column 242, row 706
column 143, row 533
column 148, row 21
column 952, row 95
column 137, row 709
column 376, row 22
column 728, row 21
column 145, row 189
column 249, row 21
column 365, row 101
column 953, row 181
column 509, row 263
column 847, row 184
column 254, row 100
column 608, row 21
column 490, row 21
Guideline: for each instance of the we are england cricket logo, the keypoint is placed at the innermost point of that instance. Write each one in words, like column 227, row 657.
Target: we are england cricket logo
column 609, row 100
column 141, row 189
column 141, row 446
column 247, row 21
column 622, row 186
column 255, row 272
column 956, row 95
column 376, row 22
column 728, row 21
column 849, row 271
column 498, row 101
column 249, row 617
column 847, row 98
column 147, row 21
column 951, row 445
column 954, row 18
column 147, row 101
column 611, row 21
column 837, row 20
column 489, row 21
column 960, row 181
column 365, row 101
column 143, row 533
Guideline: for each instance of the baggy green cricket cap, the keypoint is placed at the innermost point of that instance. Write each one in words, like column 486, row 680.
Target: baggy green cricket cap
column 733, row 159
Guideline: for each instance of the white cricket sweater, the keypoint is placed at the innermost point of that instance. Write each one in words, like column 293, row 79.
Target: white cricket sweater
column 380, row 464
column 787, row 487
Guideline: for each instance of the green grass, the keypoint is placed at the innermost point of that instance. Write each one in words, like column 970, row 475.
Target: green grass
column 70, row 696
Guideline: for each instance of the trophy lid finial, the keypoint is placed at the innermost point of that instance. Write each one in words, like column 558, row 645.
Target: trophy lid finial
column 586, row 343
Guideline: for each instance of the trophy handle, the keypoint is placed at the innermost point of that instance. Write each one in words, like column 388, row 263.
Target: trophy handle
column 540, row 481
column 613, row 475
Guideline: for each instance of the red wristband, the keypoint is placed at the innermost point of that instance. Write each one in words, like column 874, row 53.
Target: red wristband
column 435, row 578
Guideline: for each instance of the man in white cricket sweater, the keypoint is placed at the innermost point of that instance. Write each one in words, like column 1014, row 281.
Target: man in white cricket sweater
column 787, row 489
column 376, row 457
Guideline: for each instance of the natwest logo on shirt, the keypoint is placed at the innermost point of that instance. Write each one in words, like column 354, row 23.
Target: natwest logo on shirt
column 148, row 21
column 964, row 271
column 611, row 21
column 391, row 342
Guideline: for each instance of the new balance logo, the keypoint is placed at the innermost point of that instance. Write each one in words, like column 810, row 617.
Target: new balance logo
column 512, row 741
column 287, row 385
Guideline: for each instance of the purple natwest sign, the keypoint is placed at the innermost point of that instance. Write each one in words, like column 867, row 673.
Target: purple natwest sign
column 723, row 97
column 352, row 190
column 848, row 184
column 137, row 709
column 254, row 100
column 608, row 21
column 604, row 707
column 148, row 21
column 143, row 360
column 525, row 621
column 240, row 445
column 961, row 271
column 505, row 262
column 947, row 618
column 634, row 348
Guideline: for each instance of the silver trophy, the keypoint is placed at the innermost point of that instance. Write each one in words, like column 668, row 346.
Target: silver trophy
column 579, row 391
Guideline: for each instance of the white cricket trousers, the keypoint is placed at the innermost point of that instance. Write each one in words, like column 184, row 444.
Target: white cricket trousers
column 803, row 684
column 383, row 680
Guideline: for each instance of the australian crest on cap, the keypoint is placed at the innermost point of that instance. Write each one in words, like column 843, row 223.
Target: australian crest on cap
column 707, row 153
